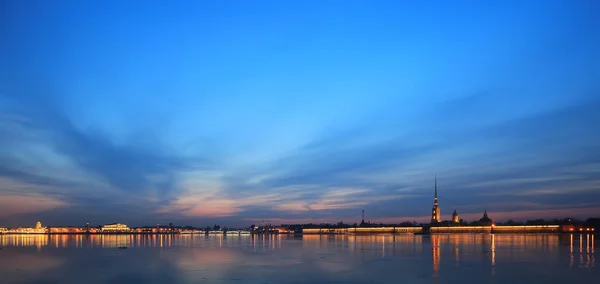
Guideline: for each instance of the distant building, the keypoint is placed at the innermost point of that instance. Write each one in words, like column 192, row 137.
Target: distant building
column 485, row 220
column 435, row 211
column 66, row 230
column 115, row 228
column 362, row 223
column 146, row 229
column 38, row 229
column 160, row 229
column 281, row 230
column 455, row 217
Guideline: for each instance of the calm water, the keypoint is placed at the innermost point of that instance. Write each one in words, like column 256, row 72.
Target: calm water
column 477, row 258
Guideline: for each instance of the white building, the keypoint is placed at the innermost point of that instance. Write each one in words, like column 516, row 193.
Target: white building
column 116, row 228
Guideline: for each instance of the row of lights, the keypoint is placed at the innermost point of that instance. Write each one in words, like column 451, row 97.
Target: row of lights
column 582, row 229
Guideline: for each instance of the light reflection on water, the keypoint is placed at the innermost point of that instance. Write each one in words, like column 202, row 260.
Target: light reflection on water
column 471, row 258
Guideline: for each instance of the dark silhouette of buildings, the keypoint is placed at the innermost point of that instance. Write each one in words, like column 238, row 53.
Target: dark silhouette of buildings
column 362, row 223
column 485, row 220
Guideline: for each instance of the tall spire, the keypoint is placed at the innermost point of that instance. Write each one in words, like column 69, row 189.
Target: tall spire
column 435, row 186
column 435, row 211
column 363, row 216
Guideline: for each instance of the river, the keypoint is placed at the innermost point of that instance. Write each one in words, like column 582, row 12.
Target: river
column 404, row 258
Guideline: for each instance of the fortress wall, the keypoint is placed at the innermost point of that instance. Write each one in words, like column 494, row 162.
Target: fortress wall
column 439, row 230
column 460, row 229
column 528, row 229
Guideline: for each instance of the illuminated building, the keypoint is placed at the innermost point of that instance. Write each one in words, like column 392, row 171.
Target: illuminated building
column 3, row 230
column 66, row 230
column 94, row 230
column 146, row 229
column 281, row 230
column 435, row 211
column 115, row 228
column 38, row 229
column 455, row 219
column 158, row 229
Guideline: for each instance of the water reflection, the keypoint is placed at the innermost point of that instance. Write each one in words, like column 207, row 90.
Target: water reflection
column 345, row 258
column 493, row 248
column 435, row 249
column 266, row 243
column 37, row 241
column 571, row 254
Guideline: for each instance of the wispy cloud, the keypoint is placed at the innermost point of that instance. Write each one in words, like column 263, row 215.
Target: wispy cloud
column 103, row 124
column 68, row 166
column 338, row 176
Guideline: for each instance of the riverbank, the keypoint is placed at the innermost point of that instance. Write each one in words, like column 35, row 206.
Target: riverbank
column 452, row 229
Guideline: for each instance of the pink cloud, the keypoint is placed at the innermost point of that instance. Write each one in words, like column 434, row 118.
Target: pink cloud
column 19, row 204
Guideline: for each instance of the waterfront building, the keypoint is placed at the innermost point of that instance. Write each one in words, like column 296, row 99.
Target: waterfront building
column 37, row 229
column 66, row 230
column 485, row 220
column 146, row 229
column 158, row 229
column 455, row 219
column 362, row 223
column 281, row 230
column 435, row 211
column 115, row 228
column 3, row 230
column 94, row 230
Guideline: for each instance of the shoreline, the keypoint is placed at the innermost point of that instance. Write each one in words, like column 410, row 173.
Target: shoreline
column 123, row 233
column 310, row 234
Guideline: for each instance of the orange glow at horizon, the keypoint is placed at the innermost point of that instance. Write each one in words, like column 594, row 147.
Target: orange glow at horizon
column 22, row 204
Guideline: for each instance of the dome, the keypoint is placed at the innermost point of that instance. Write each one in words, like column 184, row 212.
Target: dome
column 455, row 217
column 485, row 220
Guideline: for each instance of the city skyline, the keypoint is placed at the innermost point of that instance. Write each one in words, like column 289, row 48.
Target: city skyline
column 213, row 113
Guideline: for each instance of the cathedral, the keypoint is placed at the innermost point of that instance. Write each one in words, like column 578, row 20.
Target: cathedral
column 485, row 220
column 435, row 211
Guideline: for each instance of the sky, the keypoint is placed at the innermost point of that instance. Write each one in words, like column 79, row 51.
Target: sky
column 251, row 112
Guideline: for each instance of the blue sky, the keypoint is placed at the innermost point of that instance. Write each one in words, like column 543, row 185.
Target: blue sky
column 242, row 112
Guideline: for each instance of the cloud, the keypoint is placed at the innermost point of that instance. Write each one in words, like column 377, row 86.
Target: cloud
column 141, row 123
column 544, row 158
column 24, row 200
column 43, row 148
column 531, row 157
